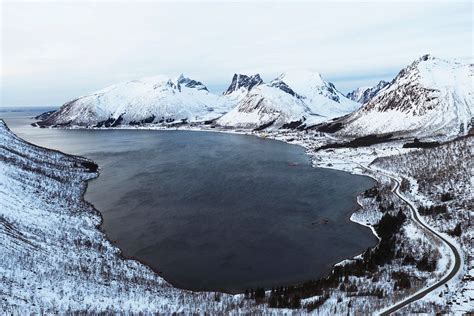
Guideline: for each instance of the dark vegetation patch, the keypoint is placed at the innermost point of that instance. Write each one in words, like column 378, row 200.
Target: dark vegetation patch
column 110, row 122
column 418, row 144
column 402, row 280
column 433, row 209
column 34, row 168
column 317, row 303
column 264, row 126
column 299, row 125
column 44, row 116
column 329, row 127
column 372, row 192
column 446, row 197
column 182, row 122
column 363, row 141
column 426, row 264
column 457, row 231
column 89, row 165
column 210, row 122
column 404, row 185
column 147, row 120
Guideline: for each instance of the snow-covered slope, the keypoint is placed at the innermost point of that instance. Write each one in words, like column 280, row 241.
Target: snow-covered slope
column 430, row 97
column 54, row 259
column 264, row 106
column 240, row 86
column 364, row 94
column 149, row 100
column 294, row 96
column 320, row 96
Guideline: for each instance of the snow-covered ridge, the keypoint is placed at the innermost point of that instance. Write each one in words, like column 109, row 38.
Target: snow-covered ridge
column 364, row 94
column 293, row 96
column 158, row 99
column 300, row 96
column 429, row 97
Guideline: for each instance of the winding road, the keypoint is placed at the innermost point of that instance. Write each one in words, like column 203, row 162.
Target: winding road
column 457, row 257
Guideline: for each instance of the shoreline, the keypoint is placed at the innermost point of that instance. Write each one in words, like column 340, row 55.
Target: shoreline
column 146, row 291
column 343, row 162
column 347, row 217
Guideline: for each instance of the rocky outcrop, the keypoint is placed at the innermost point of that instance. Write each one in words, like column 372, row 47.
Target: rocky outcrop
column 244, row 82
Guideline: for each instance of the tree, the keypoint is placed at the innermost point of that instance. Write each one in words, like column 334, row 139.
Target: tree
column 457, row 231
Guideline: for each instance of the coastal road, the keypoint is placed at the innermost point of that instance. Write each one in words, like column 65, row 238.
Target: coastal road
column 457, row 257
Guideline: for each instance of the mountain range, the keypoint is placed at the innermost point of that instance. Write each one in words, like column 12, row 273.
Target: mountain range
column 429, row 97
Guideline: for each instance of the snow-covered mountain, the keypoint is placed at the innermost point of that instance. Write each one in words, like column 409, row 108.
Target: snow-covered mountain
column 364, row 94
column 430, row 97
column 243, row 83
column 240, row 86
column 265, row 106
column 300, row 96
column 149, row 100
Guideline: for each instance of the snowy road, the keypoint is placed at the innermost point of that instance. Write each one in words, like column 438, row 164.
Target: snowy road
column 454, row 270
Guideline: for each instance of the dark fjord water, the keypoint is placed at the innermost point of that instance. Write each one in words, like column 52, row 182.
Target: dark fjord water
column 215, row 211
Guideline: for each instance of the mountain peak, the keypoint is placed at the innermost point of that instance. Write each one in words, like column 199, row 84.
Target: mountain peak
column 429, row 97
column 182, row 80
column 426, row 57
column 364, row 94
column 298, row 77
column 306, row 83
column 243, row 81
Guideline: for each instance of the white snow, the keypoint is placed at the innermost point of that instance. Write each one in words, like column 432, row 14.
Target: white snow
column 430, row 97
column 137, row 100
column 318, row 101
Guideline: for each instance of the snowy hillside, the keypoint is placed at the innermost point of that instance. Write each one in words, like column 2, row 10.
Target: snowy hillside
column 430, row 97
column 55, row 259
column 364, row 94
column 149, row 100
column 264, row 106
column 301, row 96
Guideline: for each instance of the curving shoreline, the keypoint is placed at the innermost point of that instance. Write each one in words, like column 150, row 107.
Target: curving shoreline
column 127, row 257
column 99, row 274
column 345, row 216
column 202, row 295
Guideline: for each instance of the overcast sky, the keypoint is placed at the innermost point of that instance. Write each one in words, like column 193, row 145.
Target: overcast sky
column 55, row 51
